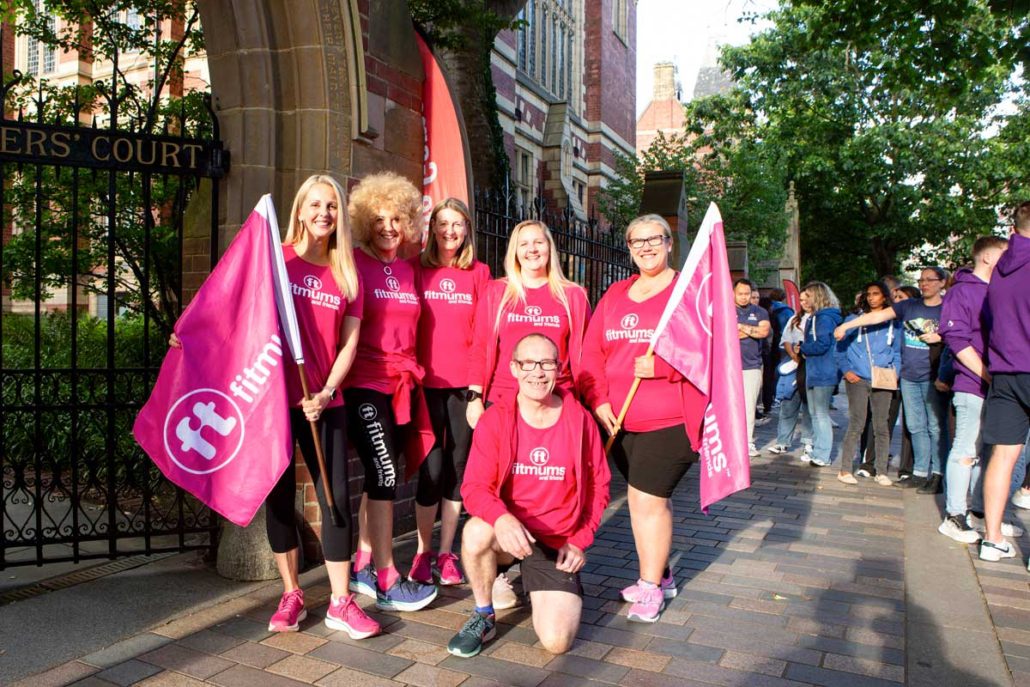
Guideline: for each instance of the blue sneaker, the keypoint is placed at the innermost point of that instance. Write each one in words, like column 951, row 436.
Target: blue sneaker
column 405, row 595
column 363, row 581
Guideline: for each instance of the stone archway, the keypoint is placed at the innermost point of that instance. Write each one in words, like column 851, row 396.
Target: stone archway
column 287, row 81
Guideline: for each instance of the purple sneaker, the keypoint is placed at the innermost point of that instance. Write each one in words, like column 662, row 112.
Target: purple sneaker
column 668, row 586
column 405, row 595
column 363, row 581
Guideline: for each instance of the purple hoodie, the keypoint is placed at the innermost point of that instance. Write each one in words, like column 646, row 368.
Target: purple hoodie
column 962, row 326
column 1008, row 301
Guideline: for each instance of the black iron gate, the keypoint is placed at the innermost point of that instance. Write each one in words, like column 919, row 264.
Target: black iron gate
column 93, row 216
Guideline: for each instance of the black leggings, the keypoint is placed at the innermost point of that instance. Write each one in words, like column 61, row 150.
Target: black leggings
column 280, row 514
column 377, row 439
column 441, row 473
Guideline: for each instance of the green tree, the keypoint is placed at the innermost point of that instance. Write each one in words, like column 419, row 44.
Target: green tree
column 746, row 181
column 886, row 115
column 43, row 202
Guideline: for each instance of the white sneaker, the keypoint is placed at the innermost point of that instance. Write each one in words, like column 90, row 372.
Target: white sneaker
column 777, row 449
column 1021, row 499
column 862, row 472
column 1007, row 528
column 503, row 595
column 956, row 528
column 819, row 463
column 883, row 480
column 989, row 551
column 752, row 451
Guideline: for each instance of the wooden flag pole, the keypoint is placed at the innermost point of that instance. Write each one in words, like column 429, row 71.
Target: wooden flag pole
column 625, row 404
column 327, row 489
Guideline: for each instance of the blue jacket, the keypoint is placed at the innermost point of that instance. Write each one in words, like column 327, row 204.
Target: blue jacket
column 820, row 348
column 884, row 343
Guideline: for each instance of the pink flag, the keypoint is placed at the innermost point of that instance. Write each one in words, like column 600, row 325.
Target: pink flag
column 697, row 335
column 217, row 422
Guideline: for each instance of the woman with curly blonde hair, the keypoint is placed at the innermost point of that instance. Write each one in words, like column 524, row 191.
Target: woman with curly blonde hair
column 383, row 389
column 821, row 374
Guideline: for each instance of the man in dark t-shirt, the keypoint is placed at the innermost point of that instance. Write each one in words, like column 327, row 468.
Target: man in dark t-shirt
column 752, row 328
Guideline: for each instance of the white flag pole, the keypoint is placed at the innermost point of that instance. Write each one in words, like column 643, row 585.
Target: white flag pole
column 291, row 331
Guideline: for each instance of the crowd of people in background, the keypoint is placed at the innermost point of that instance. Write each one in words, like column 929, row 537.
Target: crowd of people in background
column 949, row 358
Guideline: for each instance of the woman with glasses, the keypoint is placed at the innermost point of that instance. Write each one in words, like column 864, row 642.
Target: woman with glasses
column 653, row 450
column 533, row 297
column 858, row 352
column 450, row 283
column 383, row 391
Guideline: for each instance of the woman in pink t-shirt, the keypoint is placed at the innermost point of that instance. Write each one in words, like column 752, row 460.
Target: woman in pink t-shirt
column 653, row 452
column 327, row 297
column 450, row 281
column 533, row 297
column 383, row 390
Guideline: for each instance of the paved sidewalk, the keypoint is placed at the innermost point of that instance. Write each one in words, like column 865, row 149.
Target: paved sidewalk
column 799, row 580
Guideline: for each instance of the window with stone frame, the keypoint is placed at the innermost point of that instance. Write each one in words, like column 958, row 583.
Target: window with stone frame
column 620, row 19
column 525, row 175
column 545, row 46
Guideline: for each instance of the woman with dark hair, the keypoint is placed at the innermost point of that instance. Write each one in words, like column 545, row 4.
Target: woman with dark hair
column 450, row 282
column 857, row 353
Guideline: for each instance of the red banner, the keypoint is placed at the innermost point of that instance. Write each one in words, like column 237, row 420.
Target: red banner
column 444, row 164
column 793, row 295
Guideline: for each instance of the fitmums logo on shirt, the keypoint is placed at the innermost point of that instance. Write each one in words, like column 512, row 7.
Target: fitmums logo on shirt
column 534, row 315
column 629, row 331
column 447, row 291
column 312, row 290
column 538, row 467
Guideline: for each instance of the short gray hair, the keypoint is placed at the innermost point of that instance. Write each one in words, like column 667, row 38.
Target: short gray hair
column 649, row 219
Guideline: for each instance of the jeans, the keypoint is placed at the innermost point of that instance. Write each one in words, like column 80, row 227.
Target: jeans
column 965, row 458
column 861, row 396
column 926, row 416
column 822, row 428
column 752, row 389
column 791, row 410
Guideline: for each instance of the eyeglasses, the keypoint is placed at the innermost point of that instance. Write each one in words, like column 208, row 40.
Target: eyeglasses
column 530, row 365
column 656, row 240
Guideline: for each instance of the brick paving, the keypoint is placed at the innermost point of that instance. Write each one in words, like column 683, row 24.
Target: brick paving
column 800, row 580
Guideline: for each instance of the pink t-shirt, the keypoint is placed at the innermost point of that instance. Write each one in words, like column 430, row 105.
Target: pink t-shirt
column 541, row 489
column 623, row 328
column 320, row 311
column 449, row 298
column 540, row 314
column 389, row 324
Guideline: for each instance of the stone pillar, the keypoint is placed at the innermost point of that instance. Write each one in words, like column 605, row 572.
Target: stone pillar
column 666, row 195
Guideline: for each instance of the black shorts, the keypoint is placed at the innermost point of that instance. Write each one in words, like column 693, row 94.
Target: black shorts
column 441, row 473
column 1007, row 410
column 539, row 573
column 378, row 440
column 654, row 462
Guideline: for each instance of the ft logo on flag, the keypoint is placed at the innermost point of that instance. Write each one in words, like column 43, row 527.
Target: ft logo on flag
column 217, row 421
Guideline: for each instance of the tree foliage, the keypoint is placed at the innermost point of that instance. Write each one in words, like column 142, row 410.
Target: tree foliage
column 51, row 205
column 888, row 116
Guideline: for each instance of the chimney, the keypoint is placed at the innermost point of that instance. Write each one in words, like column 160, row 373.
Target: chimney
column 664, row 81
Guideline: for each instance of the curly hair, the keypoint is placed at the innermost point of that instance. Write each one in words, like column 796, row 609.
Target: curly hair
column 384, row 191
column 341, row 258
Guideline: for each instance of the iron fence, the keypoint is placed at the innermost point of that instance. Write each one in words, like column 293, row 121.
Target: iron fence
column 593, row 254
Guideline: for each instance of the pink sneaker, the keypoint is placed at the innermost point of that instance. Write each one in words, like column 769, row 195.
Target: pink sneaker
column 291, row 611
column 648, row 607
column 422, row 568
column 344, row 614
column 668, row 585
column 450, row 573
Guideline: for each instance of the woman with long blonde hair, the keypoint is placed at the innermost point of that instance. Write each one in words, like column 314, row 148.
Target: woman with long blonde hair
column 821, row 373
column 450, row 283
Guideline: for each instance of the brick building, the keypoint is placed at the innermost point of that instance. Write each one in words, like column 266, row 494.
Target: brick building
column 566, row 85
column 664, row 114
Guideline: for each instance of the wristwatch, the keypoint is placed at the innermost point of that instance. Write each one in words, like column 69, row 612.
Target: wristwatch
column 471, row 395
column 332, row 392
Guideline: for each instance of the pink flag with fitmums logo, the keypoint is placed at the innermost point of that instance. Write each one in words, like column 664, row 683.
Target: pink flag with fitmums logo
column 217, row 421
column 697, row 335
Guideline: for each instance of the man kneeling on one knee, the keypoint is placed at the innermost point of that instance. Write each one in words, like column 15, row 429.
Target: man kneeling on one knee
column 536, row 484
